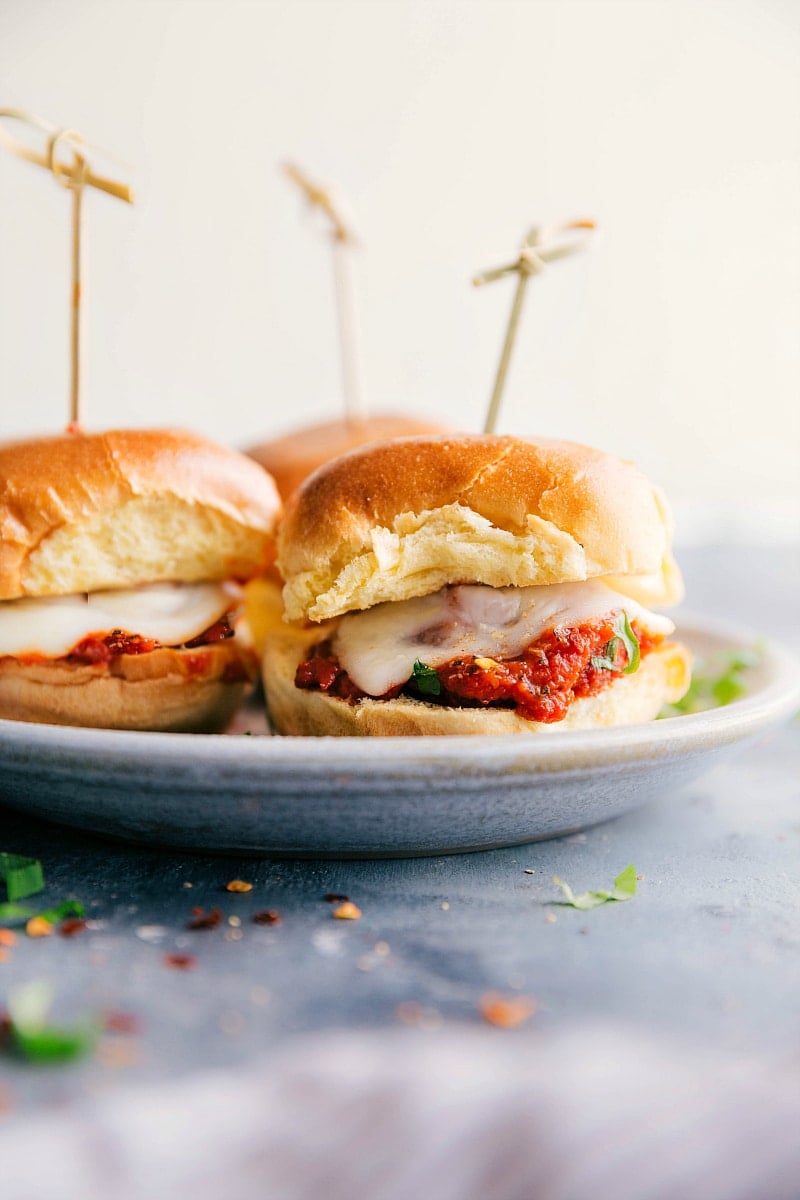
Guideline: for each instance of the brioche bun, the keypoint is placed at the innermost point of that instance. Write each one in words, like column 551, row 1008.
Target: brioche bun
column 87, row 512
column 292, row 458
column 406, row 518
column 662, row 678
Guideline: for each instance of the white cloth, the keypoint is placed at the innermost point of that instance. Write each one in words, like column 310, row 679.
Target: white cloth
column 457, row 1114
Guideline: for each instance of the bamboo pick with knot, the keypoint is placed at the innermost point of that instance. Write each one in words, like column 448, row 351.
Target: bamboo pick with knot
column 536, row 252
column 73, row 175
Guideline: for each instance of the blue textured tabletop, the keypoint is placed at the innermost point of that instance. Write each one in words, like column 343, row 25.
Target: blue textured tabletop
column 707, row 948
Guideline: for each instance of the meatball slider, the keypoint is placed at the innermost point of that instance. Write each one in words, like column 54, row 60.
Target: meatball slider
column 121, row 560
column 474, row 584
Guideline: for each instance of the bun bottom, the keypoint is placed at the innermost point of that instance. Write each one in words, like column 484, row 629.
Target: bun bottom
column 662, row 678
column 177, row 691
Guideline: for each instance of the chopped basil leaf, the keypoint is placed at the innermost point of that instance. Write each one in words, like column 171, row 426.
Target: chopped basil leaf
column 622, row 633
column 624, row 888
column 622, row 628
column 426, row 679
column 717, row 682
column 609, row 660
column 22, row 876
column 67, row 908
column 16, row 913
column 52, row 1044
column 29, row 1011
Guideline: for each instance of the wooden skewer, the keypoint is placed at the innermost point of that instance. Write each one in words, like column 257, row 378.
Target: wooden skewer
column 344, row 240
column 74, row 176
column 535, row 253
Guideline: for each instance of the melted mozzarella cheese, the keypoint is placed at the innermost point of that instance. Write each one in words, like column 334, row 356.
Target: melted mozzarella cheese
column 378, row 647
column 169, row 613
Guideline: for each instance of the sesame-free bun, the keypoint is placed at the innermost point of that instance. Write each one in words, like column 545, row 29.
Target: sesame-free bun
column 292, row 458
column 407, row 517
column 167, row 689
column 662, row 678
column 87, row 512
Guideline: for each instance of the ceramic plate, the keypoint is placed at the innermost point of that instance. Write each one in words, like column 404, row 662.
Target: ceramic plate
column 354, row 797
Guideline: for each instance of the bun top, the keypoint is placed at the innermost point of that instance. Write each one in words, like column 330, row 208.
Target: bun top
column 407, row 517
column 85, row 512
column 292, row 458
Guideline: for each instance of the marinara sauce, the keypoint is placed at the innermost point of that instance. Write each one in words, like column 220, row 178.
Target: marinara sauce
column 103, row 647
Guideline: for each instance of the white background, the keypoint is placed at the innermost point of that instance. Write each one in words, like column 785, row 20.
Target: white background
column 450, row 127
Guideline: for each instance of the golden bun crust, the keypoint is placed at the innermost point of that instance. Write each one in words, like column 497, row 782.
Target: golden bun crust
column 292, row 458
column 84, row 512
column 405, row 518
column 189, row 691
column 662, row 678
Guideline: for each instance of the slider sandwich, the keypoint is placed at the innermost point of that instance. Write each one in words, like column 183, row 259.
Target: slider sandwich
column 474, row 584
column 122, row 559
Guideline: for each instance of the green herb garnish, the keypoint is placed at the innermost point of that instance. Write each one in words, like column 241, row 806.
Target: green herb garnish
column 29, row 1011
column 427, row 681
column 623, row 633
column 717, row 682
column 631, row 643
column 11, row 914
column 22, row 876
column 624, row 888
column 67, row 908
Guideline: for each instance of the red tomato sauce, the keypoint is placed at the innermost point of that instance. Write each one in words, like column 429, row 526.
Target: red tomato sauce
column 103, row 647
column 540, row 684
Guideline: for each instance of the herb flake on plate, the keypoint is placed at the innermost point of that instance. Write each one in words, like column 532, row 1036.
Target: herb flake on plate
column 22, row 876
column 31, row 1032
column 624, row 888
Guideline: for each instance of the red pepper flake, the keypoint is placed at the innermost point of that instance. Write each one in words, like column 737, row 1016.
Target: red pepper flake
column 506, row 1012
column 204, row 920
column 121, row 1022
column 267, row 916
column 72, row 927
column 180, row 962
column 8, row 937
column 5, row 1028
column 335, row 897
